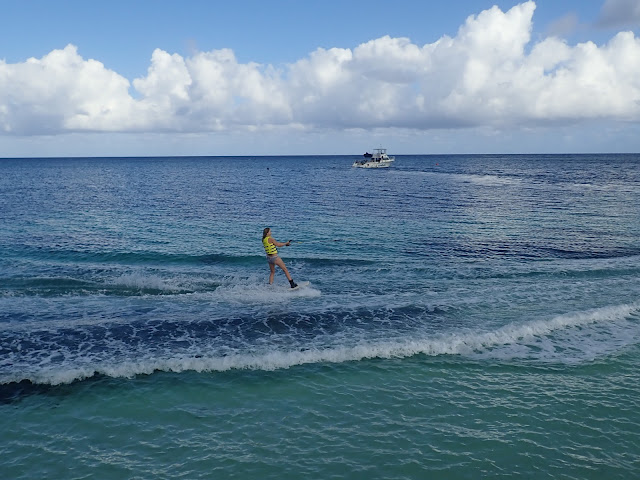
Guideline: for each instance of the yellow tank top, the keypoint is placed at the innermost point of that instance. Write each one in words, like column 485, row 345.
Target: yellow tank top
column 270, row 248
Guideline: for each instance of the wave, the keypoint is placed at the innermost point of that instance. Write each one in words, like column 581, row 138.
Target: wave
column 226, row 288
column 570, row 338
column 148, row 274
column 469, row 248
column 134, row 283
column 586, row 268
column 141, row 258
column 591, row 252
column 137, row 257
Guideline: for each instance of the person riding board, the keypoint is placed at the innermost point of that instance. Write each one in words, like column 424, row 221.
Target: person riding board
column 269, row 243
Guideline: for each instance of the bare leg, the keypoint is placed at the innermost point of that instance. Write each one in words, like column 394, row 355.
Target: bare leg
column 280, row 263
column 272, row 269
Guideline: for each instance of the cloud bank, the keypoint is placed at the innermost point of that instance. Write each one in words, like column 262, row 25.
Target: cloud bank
column 489, row 74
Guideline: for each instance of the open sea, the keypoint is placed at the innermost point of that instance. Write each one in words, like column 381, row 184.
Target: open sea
column 468, row 316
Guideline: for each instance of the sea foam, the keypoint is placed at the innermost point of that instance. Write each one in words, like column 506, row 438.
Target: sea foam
column 559, row 339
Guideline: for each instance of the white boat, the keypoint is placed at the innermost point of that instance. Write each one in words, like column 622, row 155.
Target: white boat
column 377, row 159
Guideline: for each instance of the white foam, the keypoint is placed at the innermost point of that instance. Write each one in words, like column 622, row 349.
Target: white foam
column 468, row 343
column 261, row 293
column 570, row 338
column 565, row 338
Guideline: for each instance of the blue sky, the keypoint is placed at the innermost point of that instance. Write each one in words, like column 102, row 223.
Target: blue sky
column 306, row 77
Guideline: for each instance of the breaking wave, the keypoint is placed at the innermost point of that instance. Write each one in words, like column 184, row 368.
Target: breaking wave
column 60, row 357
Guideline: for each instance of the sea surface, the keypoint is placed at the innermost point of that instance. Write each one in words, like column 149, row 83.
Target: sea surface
column 471, row 316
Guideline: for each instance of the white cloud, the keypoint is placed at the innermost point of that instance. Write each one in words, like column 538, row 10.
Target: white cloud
column 232, row 93
column 61, row 92
column 489, row 74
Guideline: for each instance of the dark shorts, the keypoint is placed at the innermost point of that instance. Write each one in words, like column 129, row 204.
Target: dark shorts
column 272, row 259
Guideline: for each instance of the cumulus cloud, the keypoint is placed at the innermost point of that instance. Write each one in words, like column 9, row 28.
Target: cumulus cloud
column 489, row 74
column 60, row 92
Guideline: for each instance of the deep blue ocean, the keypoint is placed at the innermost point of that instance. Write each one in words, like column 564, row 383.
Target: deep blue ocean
column 468, row 316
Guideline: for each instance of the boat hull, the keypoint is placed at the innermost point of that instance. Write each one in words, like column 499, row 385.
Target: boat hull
column 371, row 164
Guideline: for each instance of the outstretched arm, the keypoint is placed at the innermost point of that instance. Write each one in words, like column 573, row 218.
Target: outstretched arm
column 279, row 244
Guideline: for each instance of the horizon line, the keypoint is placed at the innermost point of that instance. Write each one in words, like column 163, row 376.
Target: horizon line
column 105, row 157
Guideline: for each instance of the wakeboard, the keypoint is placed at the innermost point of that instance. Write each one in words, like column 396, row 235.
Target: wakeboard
column 299, row 286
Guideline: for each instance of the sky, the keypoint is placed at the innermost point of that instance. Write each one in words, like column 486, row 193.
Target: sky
column 285, row 77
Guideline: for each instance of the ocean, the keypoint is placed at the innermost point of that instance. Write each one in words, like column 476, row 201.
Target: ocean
column 468, row 316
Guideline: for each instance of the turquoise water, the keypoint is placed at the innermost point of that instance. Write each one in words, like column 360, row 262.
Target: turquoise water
column 467, row 317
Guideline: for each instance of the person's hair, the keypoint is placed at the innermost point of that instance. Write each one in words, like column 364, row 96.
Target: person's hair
column 265, row 232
